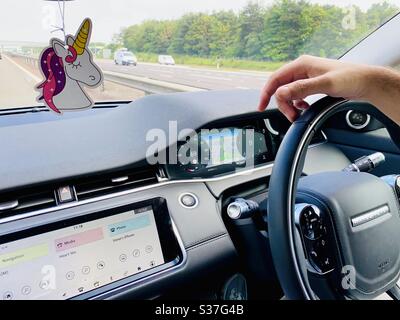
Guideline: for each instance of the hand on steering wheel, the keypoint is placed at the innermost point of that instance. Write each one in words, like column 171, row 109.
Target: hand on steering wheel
column 309, row 75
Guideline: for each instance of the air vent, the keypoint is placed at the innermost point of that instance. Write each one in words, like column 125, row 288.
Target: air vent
column 44, row 197
column 26, row 201
column 111, row 183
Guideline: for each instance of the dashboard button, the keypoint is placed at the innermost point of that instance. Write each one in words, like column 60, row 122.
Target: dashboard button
column 188, row 200
column 123, row 258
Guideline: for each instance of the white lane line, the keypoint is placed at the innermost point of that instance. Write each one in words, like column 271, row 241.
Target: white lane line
column 214, row 78
column 34, row 77
column 244, row 88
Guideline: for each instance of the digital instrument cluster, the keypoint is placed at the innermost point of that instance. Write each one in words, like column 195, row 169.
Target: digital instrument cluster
column 217, row 151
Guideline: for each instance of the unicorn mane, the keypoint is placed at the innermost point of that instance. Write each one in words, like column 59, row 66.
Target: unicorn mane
column 53, row 70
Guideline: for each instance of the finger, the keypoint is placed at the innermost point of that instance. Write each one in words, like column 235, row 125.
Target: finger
column 285, row 105
column 301, row 104
column 293, row 71
column 299, row 90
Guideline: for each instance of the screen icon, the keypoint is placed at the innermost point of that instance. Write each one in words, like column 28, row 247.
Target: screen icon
column 101, row 265
column 70, row 275
column 8, row 295
column 26, row 290
column 86, row 270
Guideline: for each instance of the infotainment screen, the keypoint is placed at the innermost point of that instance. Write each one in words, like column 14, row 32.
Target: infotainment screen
column 82, row 256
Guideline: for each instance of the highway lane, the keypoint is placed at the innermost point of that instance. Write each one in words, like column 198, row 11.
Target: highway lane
column 16, row 85
column 195, row 77
column 18, row 79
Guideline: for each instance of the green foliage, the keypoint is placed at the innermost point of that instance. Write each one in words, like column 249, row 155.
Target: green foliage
column 280, row 31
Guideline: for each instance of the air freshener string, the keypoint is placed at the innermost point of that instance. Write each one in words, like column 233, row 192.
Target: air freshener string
column 62, row 14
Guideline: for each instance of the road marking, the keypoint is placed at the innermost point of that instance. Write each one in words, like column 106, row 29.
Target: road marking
column 34, row 77
column 214, row 78
column 243, row 88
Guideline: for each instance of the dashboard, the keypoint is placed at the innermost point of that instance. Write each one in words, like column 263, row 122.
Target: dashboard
column 83, row 215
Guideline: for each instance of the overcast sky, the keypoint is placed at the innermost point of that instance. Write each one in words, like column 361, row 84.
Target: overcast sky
column 30, row 20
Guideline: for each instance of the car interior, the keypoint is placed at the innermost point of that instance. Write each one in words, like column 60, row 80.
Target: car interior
column 283, row 216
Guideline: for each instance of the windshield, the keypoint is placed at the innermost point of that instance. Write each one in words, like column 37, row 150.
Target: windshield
column 183, row 44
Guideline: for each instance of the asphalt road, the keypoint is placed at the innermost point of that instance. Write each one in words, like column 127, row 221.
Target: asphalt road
column 18, row 79
column 16, row 85
column 195, row 77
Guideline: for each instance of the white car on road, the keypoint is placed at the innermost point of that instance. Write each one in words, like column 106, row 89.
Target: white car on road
column 166, row 60
column 125, row 58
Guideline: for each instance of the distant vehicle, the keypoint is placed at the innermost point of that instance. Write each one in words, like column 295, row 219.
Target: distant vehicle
column 166, row 60
column 125, row 58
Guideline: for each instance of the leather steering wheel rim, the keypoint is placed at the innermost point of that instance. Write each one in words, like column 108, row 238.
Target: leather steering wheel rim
column 283, row 184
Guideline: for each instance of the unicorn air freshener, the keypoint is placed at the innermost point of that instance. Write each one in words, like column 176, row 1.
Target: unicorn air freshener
column 66, row 68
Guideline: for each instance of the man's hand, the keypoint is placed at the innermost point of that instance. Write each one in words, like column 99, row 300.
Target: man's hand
column 311, row 75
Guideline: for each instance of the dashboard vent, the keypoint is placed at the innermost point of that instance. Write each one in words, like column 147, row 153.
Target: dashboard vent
column 111, row 183
column 26, row 201
column 33, row 199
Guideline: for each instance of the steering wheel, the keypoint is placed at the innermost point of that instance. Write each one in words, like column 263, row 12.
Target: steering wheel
column 333, row 235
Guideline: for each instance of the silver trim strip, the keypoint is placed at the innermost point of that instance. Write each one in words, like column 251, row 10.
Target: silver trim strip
column 131, row 191
column 9, row 205
column 269, row 127
column 371, row 215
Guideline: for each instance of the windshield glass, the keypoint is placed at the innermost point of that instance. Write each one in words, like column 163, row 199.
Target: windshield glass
column 191, row 44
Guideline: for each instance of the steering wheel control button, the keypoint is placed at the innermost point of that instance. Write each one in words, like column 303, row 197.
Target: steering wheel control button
column 123, row 258
column 311, row 223
column 188, row 200
column 101, row 265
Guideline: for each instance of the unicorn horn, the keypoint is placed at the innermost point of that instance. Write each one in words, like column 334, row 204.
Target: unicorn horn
column 81, row 38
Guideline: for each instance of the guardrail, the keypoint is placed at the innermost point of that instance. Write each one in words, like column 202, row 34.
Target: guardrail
column 149, row 86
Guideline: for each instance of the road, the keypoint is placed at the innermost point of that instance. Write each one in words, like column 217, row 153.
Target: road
column 18, row 79
column 195, row 77
column 16, row 85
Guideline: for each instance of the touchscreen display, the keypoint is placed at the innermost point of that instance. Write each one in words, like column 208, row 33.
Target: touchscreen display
column 70, row 261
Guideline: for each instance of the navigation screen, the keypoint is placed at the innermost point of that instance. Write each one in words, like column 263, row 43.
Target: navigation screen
column 224, row 147
column 67, row 262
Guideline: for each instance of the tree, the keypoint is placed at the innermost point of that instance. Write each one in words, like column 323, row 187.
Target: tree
column 280, row 31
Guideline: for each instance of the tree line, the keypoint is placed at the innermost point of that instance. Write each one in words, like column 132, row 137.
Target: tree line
column 278, row 32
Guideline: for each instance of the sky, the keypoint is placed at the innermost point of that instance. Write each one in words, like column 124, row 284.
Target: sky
column 31, row 20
